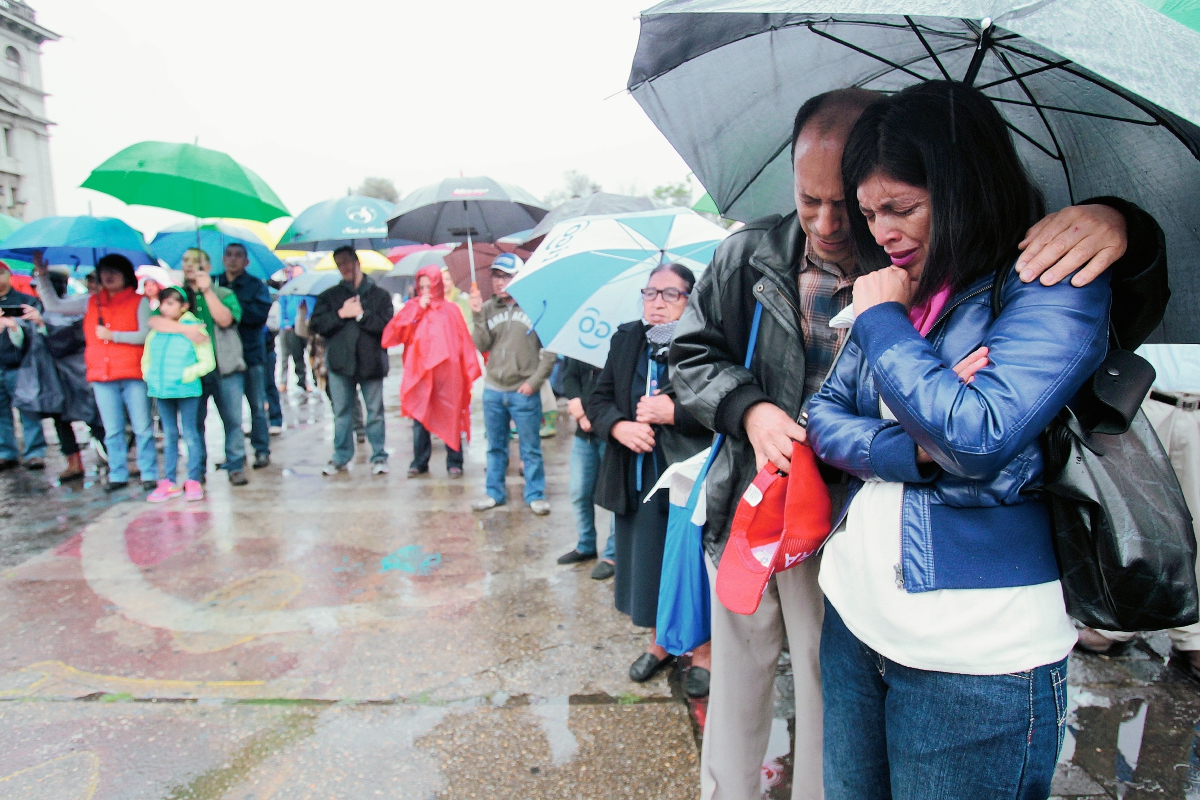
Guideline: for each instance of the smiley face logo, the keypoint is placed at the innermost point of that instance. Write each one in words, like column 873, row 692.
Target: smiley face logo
column 363, row 215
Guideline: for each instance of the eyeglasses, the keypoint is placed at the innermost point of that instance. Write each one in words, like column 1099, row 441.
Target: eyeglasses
column 671, row 295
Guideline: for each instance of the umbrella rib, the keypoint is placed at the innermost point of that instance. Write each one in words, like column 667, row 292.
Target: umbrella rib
column 1017, row 76
column 925, row 44
column 1077, row 112
column 866, row 53
column 1032, row 141
column 1062, row 159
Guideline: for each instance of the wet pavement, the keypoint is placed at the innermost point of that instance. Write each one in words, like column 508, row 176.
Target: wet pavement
column 363, row 636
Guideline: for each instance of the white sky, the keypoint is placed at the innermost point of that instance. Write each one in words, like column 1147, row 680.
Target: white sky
column 315, row 96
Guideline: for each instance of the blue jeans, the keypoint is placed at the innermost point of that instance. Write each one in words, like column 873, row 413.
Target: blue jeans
column 176, row 413
column 274, row 409
column 227, row 391
column 256, row 395
column 31, row 424
column 896, row 732
column 116, row 399
column 586, row 455
column 526, row 412
column 341, row 392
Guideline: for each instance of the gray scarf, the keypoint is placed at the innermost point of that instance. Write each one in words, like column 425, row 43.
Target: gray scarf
column 661, row 335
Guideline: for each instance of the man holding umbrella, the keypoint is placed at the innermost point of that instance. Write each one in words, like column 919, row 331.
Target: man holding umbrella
column 516, row 370
column 801, row 269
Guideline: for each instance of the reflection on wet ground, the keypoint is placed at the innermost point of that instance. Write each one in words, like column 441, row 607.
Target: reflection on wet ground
column 364, row 636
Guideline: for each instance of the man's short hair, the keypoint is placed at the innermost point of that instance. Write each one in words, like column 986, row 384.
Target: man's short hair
column 345, row 250
column 829, row 110
column 239, row 246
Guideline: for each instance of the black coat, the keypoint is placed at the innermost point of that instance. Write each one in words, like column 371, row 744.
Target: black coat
column 579, row 379
column 353, row 348
column 612, row 401
column 760, row 262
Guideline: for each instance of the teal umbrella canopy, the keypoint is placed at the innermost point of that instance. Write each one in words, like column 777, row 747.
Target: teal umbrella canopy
column 357, row 221
column 171, row 243
column 186, row 178
column 1089, row 117
column 76, row 242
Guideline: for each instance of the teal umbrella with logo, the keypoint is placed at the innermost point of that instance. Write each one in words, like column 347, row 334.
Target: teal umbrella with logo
column 356, row 221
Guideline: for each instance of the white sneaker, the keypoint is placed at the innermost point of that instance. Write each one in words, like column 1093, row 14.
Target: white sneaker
column 275, row 430
column 485, row 504
column 540, row 507
column 332, row 468
column 380, row 468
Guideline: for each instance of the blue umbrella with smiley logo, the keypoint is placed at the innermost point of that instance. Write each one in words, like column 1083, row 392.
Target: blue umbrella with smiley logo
column 585, row 278
column 358, row 221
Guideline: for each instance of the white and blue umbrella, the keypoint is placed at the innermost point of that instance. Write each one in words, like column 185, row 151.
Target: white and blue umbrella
column 584, row 279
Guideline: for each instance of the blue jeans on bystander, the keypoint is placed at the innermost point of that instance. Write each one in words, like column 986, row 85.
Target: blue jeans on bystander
column 31, row 424
column 116, row 400
column 526, row 412
column 341, row 392
column 271, row 390
column 256, row 396
column 586, row 455
column 893, row 731
column 227, row 391
column 176, row 414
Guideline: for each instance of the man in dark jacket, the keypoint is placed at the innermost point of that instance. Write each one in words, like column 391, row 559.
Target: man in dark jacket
column 255, row 300
column 12, row 349
column 587, row 451
column 351, row 317
column 801, row 268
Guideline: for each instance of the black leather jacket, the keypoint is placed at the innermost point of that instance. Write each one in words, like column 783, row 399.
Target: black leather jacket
column 760, row 263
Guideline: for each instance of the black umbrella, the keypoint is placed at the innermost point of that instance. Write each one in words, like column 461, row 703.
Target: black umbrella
column 587, row 206
column 1089, row 118
column 464, row 210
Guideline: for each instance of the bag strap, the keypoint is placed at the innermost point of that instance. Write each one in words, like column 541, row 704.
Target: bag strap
column 720, row 440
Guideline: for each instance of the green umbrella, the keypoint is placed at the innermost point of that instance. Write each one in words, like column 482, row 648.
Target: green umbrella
column 187, row 178
column 8, row 225
column 706, row 205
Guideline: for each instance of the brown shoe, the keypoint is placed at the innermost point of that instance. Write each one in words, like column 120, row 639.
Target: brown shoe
column 74, row 470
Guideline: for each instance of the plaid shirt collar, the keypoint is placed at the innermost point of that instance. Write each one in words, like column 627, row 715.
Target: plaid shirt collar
column 813, row 261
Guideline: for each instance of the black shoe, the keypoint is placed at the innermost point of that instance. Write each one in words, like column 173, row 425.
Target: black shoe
column 149, row 486
column 575, row 557
column 115, row 486
column 262, row 460
column 414, row 472
column 238, row 478
column 646, row 665
column 603, row 571
column 8, row 463
column 35, row 463
column 361, row 438
column 696, row 682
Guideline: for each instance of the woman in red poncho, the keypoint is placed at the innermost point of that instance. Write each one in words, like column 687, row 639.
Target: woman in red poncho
column 440, row 364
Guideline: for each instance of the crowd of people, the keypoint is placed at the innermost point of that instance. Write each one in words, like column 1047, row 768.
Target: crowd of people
column 929, row 639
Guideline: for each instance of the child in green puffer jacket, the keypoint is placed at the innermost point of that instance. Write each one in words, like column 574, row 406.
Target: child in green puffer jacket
column 172, row 365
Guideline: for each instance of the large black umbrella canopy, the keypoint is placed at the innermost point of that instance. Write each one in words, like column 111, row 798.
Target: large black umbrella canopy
column 462, row 209
column 590, row 205
column 723, row 85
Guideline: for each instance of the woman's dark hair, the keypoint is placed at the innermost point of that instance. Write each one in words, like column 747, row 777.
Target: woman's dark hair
column 949, row 139
column 118, row 263
column 685, row 274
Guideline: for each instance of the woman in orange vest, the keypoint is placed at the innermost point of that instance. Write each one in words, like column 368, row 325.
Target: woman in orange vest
column 115, row 328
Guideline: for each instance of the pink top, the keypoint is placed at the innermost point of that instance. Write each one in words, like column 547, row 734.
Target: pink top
column 924, row 315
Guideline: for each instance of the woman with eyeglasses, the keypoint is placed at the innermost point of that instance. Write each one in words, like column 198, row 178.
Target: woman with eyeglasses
column 633, row 409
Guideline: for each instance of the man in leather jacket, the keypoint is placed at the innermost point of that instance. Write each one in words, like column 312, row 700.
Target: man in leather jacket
column 801, row 268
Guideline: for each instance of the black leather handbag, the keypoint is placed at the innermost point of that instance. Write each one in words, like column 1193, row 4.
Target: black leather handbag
column 1122, row 531
column 65, row 340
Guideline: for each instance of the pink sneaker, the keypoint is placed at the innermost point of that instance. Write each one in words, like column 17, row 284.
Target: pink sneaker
column 164, row 492
column 192, row 490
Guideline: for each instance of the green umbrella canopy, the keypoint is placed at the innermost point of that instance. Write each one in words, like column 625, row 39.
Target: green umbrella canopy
column 186, row 178
column 1185, row 12
column 706, row 205
column 8, row 225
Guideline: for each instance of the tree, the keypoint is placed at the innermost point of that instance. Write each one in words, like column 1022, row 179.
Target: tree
column 676, row 194
column 575, row 184
column 379, row 188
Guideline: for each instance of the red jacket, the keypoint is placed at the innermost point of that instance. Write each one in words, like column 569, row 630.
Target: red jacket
column 440, row 362
column 111, row 361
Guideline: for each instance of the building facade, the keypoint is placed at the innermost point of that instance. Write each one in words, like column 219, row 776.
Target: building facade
column 26, row 189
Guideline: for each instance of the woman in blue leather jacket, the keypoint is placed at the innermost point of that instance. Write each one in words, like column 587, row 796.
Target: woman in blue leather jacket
column 945, row 641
